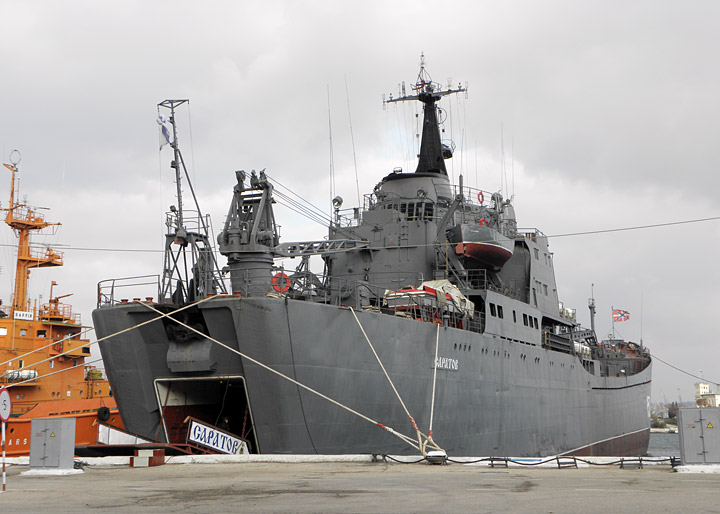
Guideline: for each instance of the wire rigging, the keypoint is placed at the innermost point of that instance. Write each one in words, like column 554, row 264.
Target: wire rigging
column 352, row 140
column 332, row 157
column 717, row 384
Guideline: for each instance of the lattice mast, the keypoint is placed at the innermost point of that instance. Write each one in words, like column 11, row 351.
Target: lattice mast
column 190, row 268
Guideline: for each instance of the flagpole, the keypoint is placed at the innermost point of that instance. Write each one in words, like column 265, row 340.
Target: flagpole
column 612, row 311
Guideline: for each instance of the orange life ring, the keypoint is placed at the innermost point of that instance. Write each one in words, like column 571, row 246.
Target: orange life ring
column 481, row 197
column 281, row 282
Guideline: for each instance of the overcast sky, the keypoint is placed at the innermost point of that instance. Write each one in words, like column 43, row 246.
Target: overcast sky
column 605, row 115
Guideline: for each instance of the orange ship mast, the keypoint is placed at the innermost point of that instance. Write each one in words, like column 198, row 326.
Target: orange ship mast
column 23, row 220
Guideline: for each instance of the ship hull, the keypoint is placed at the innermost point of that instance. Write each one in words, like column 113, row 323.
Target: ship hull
column 494, row 397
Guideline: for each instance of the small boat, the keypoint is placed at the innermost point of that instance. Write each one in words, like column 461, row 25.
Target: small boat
column 485, row 234
column 42, row 348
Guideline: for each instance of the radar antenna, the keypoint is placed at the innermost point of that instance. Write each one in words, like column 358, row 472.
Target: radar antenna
column 432, row 150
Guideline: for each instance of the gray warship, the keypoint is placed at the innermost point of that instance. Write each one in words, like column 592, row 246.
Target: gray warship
column 435, row 320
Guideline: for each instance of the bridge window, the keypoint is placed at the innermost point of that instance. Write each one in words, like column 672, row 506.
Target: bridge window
column 500, row 311
column 493, row 312
column 428, row 211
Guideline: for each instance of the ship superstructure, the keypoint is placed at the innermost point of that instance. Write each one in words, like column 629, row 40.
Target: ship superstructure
column 435, row 313
column 43, row 345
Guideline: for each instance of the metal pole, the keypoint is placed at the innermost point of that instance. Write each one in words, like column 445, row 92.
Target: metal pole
column 3, row 454
column 176, row 160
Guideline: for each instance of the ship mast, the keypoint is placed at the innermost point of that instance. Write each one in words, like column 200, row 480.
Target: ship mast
column 591, row 306
column 433, row 153
column 190, row 267
column 24, row 220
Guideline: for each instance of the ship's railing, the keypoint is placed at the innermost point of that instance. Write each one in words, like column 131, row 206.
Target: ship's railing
column 533, row 234
column 473, row 196
column 38, row 254
column 22, row 212
column 57, row 311
column 115, row 290
column 193, row 221
column 474, row 199
column 348, row 218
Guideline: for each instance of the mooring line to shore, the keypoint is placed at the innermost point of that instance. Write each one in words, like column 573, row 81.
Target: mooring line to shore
column 377, row 357
column 428, row 438
column 432, row 399
column 405, row 438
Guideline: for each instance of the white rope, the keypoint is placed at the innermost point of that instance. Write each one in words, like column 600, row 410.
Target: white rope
column 412, row 420
column 420, row 435
column 429, row 438
column 405, row 438
column 432, row 401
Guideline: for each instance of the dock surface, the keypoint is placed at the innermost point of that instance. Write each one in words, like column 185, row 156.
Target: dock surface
column 360, row 487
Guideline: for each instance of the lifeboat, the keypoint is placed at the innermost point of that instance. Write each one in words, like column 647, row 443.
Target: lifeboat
column 485, row 244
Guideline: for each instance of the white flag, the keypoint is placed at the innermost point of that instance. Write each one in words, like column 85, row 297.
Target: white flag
column 164, row 133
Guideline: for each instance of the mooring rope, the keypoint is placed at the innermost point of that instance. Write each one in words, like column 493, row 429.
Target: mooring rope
column 419, row 434
column 405, row 438
column 432, row 400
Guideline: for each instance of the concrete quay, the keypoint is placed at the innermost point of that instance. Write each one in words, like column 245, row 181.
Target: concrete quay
column 359, row 487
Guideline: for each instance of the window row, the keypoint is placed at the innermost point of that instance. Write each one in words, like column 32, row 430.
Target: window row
column 497, row 312
column 414, row 210
column 548, row 257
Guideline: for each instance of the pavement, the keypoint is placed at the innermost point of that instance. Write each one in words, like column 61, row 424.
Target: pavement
column 360, row 487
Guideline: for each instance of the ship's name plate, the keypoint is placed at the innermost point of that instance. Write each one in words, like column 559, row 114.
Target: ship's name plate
column 23, row 315
column 216, row 439
column 446, row 363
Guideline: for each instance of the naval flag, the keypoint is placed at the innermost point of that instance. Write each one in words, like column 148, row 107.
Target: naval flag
column 164, row 134
column 620, row 315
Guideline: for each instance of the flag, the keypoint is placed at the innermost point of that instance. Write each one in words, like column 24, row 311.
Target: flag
column 620, row 315
column 164, row 134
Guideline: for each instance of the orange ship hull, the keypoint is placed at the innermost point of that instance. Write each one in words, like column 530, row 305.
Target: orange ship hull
column 87, row 414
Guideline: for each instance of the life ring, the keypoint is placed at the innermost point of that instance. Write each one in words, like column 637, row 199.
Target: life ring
column 281, row 282
column 481, row 197
column 482, row 222
column 103, row 414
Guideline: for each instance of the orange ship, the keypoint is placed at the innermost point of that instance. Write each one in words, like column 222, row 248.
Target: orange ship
column 42, row 349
